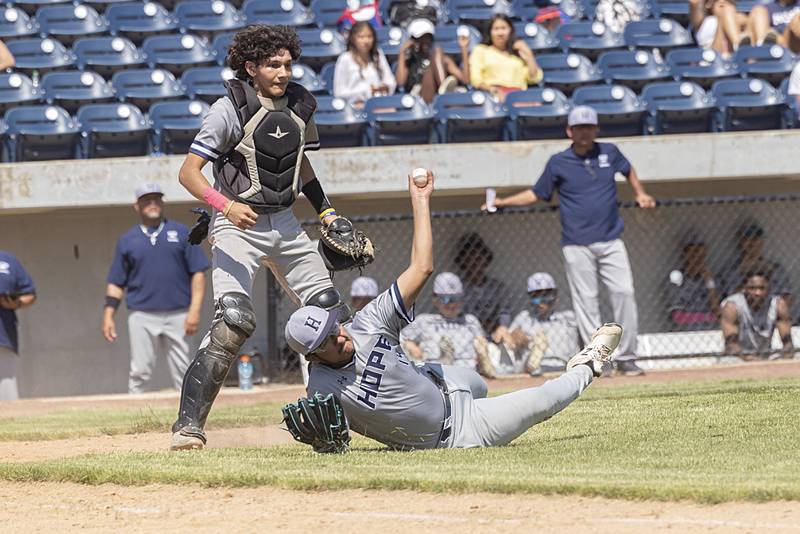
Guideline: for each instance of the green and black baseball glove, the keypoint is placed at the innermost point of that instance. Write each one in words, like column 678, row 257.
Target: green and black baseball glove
column 319, row 422
column 342, row 246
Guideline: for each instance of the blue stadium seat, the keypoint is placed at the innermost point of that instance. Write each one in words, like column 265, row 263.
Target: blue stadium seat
column 175, row 124
column 67, row 22
column 16, row 24
column 320, row 46
column 305, row 76
column 139, row 20
column 663, row 34
column 38, row 133
column 677, row 10
column 678, row 107
column 469, row 117
column 290, row 13
column 390, row 39
column 73, row 89
column 326, row 74
column 566, row 72
column 747, row 104
column 473, row 11
column 31, row 6
column 536, row 37
column 113, row 130
column 588, row 38
column 102, row 5
column 177, row 53
column 327, row 12
column 17, row 90
column 792, row 107
column 143, row 87
column 633, row 68
column 339, row 123
column 42, row 55
column 619, row 110
column 208, row 17
column 447, row 38
column 107, row 55
column 220, row 46
column 206, row 83
column 703, row 67
column 770, row 62
column 538, row 113
column 746, row 6
column 398, row 120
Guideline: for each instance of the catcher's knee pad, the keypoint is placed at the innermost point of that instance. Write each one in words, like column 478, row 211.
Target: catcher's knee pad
column 330, row 299
column 234, row 322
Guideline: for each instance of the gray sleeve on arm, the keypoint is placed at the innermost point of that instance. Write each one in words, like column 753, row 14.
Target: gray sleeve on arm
column 386, row 314
column 219, row 133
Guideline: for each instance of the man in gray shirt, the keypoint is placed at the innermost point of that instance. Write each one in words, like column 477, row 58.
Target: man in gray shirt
column 388, row 398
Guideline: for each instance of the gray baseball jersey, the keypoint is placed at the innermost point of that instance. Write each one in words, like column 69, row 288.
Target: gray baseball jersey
column 561, row 330
column 385, row 396
column 755, row 328
column 392, row 400
column 430, row 330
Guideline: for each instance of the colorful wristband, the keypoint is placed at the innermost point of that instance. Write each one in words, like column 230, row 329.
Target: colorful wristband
column 215, row 199
column 326, row 213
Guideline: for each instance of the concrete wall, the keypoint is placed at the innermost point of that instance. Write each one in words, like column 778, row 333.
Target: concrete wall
column 62, row 220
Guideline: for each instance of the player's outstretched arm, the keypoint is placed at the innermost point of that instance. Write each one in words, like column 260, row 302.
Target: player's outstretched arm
column 420, row 267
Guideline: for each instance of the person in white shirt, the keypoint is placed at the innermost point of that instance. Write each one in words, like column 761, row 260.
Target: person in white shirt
column 362, row 72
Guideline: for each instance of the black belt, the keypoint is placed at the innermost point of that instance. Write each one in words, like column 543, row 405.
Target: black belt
column 447, row 424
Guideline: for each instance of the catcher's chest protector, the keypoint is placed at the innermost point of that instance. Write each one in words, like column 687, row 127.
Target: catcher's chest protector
column 263, row 169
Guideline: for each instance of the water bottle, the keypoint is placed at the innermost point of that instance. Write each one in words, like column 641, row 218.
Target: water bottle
column 245, row 373
column 35, row 78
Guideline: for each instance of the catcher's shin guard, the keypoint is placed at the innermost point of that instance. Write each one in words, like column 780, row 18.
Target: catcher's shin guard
column 234, row 321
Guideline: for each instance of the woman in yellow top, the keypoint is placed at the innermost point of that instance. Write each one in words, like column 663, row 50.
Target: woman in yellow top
column 503, row 63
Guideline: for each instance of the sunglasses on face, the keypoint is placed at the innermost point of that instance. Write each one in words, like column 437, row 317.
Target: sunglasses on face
column 450, row 299
column 542, row 299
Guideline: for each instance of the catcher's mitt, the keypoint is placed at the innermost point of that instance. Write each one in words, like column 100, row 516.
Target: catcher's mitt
column 319, row 422
column 200, row 229
column 343, row 247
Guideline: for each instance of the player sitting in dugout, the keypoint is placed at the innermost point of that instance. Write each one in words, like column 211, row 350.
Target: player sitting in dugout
column 363, row 373
column 448, row 336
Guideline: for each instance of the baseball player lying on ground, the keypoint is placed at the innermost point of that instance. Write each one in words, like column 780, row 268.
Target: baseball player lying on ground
column 361, row 371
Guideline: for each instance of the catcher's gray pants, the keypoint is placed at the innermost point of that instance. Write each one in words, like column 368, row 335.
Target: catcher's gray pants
column 478, row 421
column 610, row 261
column 278, row 242
column 153, row 334
column 9, row 366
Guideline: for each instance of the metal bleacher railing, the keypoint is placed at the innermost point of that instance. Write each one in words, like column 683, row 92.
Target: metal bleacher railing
column 725, row 235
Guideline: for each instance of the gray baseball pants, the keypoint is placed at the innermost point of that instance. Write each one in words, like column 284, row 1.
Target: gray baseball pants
column 9, row 366
column 153, row 334
column 610, row 261
column 478, row 421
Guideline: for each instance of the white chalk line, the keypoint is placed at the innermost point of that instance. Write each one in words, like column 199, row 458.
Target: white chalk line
column 701, row 522
column 424, row 517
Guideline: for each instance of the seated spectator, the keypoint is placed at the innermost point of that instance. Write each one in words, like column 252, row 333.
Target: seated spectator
column 7, row 60
column 502, row 63
column 616, row 14
column 717, row 25
column 778, row 21
column 362, row 291
column 750, row 317
column 541, row 336
column 794, row 87
column 359, row 11
column 692, row 292
column 402, row 12
column 448, row 336
column 484, row 297
column 750, row 241
column 362, row 71
column 424, row 69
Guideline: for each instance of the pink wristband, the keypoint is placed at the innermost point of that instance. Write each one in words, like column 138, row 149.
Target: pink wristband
column 215, row 199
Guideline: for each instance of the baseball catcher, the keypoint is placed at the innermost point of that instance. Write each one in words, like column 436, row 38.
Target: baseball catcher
column 404, row 405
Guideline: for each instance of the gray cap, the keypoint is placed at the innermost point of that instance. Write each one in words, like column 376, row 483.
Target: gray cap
column 148, row 189
column 581, row 115
column 447, row 284
column 363, row 286
column 540, row 282
column 308, row 327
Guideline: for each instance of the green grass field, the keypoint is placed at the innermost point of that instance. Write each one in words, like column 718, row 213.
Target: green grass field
column 708, row 441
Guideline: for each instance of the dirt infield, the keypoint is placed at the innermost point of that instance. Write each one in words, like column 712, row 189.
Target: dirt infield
column 39, row 506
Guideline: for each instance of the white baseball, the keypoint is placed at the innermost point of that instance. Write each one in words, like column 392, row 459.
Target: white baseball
column 420, row 176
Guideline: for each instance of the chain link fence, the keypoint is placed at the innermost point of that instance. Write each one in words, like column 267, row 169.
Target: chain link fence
column 687, row 255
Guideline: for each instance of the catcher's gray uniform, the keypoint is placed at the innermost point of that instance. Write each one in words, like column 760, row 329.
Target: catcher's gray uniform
column 406, row 406
column 437, row 335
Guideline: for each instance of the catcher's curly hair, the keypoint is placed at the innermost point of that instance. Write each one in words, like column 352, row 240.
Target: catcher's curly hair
column 258, row 43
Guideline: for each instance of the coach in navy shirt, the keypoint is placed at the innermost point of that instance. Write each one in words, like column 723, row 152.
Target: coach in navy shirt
column 16, row 291
column 164, row 277
column 583, row 176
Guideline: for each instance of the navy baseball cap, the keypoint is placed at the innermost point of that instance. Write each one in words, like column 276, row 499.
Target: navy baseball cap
column 308, row 327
